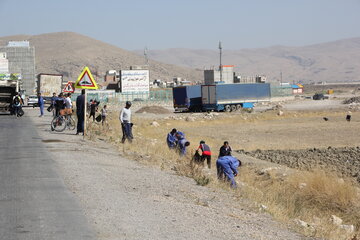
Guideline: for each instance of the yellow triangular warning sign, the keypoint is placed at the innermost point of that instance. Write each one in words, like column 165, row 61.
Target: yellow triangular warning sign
column 86, row 80
column 69, row 87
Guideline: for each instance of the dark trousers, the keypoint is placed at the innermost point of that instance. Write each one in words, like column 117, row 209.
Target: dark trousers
column 127, row 132
column 93, row 115
column 80, row 123
column 208, row 160
column 16, row 110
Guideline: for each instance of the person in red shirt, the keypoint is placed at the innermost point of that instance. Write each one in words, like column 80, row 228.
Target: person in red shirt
column 206, row 153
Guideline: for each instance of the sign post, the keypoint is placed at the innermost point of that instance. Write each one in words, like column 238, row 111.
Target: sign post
column 85, row 81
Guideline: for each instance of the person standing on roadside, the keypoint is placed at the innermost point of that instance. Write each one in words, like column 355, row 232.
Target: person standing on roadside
column 103, row 114
column 41, row 104
column 126, row 125
column 53, row 99
column 225, row 150
column 59, row 104
column 17, row 102
column 93, row 108
column 80, row 103
column 68, row 103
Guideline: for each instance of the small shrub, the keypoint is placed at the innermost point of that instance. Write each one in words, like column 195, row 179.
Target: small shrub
column 202, row 180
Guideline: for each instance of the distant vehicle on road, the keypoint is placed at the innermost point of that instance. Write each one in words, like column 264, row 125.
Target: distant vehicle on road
column 32, row 100
column 319, row 96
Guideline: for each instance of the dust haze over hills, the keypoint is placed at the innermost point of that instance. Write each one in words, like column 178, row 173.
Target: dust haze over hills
column 67, row 53
column 337, row 61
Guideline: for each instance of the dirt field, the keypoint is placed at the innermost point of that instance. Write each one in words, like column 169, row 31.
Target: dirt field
column 278, row 137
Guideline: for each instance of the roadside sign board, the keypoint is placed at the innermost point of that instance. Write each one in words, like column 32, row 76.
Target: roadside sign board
column 86, row 80
column 69, row 87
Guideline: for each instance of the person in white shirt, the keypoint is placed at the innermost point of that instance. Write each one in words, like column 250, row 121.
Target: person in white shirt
column 68, row 103
column 126, row 125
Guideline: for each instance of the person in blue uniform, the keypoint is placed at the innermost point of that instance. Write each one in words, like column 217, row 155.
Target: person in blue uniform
column 227, row 169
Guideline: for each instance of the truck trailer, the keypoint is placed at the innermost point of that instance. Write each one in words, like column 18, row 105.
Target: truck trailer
column 49, row 83
column 8, row 89
column 232, row 97
column 187, row 98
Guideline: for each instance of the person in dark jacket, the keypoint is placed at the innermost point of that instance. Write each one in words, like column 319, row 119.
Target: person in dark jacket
column 225, row 150
column 59, row 104
column 53, row 99
column 227, row 167
column 93, row 108
column 171, row 139
column 80, row 103
column 206, row 153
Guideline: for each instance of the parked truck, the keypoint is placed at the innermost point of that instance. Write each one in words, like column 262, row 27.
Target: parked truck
column 47, row 84
column 187, row 98
column 8, row 89
column 232, row 97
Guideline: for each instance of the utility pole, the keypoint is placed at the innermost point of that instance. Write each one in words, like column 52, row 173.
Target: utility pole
column 146, row 56
column 220, row 67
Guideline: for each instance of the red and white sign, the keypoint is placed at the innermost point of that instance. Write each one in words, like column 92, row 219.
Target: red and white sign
column 86, row 80
column 69, row 87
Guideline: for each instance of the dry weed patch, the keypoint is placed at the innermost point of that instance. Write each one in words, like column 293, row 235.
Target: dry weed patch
column 309, row 196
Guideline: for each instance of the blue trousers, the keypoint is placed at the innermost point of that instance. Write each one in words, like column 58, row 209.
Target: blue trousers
column 41, row 109
column 224, row 169
column 126, row 131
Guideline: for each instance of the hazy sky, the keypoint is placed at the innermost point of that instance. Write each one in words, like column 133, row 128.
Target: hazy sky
column 160, row 24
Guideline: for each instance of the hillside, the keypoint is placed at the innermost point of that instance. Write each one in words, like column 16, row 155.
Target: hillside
column 67, row 53
column 332, row 62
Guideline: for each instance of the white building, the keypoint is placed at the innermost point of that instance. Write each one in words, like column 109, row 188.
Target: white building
column 4, row 63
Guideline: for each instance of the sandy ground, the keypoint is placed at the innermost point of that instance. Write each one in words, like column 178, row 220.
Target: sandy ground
column 123, row 199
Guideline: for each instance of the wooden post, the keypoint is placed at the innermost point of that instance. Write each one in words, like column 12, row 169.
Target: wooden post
column 85, row 107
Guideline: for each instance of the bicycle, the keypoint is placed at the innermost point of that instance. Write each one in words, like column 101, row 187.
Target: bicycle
column 63, row 121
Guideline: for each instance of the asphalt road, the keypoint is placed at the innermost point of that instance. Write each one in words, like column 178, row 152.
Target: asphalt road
column 34, row 202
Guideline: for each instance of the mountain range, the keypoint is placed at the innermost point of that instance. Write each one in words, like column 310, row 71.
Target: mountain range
column 337, row 61
column 68, row 52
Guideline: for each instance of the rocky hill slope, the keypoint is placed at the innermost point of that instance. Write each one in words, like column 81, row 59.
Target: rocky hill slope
column 331, row 62
column 67, row 53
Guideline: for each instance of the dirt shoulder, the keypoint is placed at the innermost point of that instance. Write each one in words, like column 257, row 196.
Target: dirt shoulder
column 126, row 200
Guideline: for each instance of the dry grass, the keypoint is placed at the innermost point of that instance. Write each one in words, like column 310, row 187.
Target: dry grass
column 324, row 194
column 309, row 196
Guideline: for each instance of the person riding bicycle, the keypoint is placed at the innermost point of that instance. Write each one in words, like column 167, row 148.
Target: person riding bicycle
column 59, row 104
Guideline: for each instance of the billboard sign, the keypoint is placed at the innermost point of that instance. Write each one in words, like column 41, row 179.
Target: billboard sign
column 134, row 81
column 10, row 76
